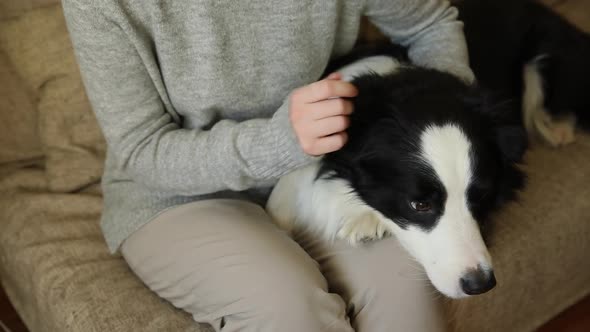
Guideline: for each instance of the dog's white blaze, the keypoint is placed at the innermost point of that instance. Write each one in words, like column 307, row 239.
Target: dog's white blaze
column 455, row 244
column 380, row 64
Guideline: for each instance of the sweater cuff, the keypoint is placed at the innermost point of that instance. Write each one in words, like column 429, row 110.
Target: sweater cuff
column 276, row 150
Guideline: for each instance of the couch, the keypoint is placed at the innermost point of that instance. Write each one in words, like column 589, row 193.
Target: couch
column 54, row 264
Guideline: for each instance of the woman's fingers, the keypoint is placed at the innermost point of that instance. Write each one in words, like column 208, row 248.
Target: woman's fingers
column 331, row 143
column 330, row 107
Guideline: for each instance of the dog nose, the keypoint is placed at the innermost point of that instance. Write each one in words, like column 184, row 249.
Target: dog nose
column 478, row 281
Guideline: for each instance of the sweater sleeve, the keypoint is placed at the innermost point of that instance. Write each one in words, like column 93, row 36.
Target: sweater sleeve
column 430, row 30
column 145, row 140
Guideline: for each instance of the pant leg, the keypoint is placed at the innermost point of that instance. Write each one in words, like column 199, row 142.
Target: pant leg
column 384, row 288
column 224, row 262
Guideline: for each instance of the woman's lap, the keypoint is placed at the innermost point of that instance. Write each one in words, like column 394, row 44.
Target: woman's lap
column 224, row 262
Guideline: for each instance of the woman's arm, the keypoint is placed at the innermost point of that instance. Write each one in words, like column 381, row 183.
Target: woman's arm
column 146, row 141
column 429, row 28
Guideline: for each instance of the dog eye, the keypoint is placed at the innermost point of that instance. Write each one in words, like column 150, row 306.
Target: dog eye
column 421, row 206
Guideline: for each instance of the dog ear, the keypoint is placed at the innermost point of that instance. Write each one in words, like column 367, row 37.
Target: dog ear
column 512, row 142
column 508, row 132
column 510, row 138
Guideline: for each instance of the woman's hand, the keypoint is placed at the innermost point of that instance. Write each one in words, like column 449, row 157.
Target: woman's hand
column 319, row 114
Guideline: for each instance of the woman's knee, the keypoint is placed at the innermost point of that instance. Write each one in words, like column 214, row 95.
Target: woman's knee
column 406, row 301
column 383, row 287
column 293, row 300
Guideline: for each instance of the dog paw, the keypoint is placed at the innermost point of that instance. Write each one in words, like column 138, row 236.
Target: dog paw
column 556, row 132
column 364, row 228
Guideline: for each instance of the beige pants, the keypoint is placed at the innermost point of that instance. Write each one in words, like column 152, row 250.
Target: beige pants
column 224, row 262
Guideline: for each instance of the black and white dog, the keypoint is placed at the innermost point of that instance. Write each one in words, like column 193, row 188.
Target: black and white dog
column 429, row 158
column 523, row 51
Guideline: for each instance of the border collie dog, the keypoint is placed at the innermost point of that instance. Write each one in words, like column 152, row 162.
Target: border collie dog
column 428, row 159
column 524, row 52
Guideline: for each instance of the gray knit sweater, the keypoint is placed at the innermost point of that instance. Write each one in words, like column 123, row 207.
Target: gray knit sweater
column 190, row 94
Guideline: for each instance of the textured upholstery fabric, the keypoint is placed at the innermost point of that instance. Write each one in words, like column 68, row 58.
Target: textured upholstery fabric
column 19, row 141
column 55, row 265
column 12, row 8
column 58, row 272
column 38, row 46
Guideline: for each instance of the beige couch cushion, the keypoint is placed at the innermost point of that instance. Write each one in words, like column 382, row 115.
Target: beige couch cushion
column 57, row 270
column 575, row 11
column 38, row 45
column 19, row 141
column 12, row 8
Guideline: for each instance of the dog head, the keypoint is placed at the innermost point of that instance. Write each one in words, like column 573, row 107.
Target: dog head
column 433, row 157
